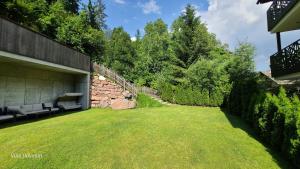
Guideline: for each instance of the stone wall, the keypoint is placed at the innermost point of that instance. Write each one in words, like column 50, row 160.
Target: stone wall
column 105, row 93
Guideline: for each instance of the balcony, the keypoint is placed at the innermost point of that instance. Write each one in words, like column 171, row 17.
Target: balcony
column 284, row 15
column 286, row 63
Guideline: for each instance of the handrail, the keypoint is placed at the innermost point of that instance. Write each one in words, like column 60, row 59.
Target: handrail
column 101, row 69
column 278, row 10
column 286, row 61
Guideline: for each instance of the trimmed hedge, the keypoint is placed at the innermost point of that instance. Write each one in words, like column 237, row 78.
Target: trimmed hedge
column 188, row 96
column 275, row 117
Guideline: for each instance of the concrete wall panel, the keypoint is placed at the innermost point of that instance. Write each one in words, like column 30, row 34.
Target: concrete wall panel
column 14, row 91
column 2, row 89
column 25, row 85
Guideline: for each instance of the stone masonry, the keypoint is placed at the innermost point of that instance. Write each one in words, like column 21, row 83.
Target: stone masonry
column 105, row 93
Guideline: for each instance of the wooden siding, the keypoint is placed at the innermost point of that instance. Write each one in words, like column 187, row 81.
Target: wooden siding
column 19, row 40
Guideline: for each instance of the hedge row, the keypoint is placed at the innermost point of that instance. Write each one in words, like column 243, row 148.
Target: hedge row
column 275, row 117
column 189, row 96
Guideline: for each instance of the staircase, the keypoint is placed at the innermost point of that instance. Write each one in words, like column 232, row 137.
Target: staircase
column 113, row 76
column 157, row 98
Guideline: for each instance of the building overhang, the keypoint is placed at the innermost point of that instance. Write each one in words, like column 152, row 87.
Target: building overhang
column 19, row 40
column 290, row 21
column 293, row 76
column 7, row 57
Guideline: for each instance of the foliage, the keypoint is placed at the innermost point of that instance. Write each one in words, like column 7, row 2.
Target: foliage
column 76, row 33
column 209, row 75
column 144, row 101
column 274, row 117
column 24, row 12
column 191, row 38
column 153, row 52
column 52, row 19
column 120, row 53
column 96, row 14
column 242, row 64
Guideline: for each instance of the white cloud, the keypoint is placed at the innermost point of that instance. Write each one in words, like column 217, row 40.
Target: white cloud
column 238, row 20
column 150, row 7
column 120, row 1
column 133, row 39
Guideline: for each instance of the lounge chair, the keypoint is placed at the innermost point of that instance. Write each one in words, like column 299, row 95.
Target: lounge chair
column 4, row 115
column 50, row 107
column 26, row 110
column 69, row 105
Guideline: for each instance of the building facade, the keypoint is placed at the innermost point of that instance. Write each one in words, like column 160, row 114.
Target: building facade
column 35, row 69
column 284, row 16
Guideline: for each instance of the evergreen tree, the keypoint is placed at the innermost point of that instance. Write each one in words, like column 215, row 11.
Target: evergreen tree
column 71, row 6
column 96, row 14
column 191, row 38
column 138, row 35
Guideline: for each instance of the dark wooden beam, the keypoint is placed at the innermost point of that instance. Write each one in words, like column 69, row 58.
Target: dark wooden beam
column 278, row 37
column 263, row 1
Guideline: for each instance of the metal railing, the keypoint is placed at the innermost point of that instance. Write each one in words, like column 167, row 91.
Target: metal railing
column 278, row 10
column 287, row 61
column 110, row 74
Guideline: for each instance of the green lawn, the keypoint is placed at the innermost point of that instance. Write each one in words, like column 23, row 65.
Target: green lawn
column 165, row 137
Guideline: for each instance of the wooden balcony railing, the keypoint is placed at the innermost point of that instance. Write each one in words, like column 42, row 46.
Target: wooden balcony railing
column 19, row 40
column 287, row 61
column 278, row 10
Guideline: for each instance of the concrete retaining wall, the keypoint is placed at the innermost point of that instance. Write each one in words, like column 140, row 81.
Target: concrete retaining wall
column 26, row 85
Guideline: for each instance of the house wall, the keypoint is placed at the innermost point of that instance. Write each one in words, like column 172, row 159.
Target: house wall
column 21, row 85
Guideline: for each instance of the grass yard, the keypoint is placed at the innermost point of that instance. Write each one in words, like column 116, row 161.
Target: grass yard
column 164, row 137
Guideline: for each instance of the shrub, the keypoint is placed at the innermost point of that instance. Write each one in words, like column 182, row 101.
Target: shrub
column 285, row 107
column 167, row 93
column 276, row 118
column 202, row 97
column 216, row 98
column 248, row 115
column 258, row 110
column 146, row 101
column 270, row 107
column 183, row 96
column 292, row 133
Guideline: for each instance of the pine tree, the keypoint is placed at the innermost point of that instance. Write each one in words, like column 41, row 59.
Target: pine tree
column 71, row 6
column 96, row 14
column 191, row 38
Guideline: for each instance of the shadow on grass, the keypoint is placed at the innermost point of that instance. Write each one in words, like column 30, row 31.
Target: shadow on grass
column 32, row 119
column 238, row 122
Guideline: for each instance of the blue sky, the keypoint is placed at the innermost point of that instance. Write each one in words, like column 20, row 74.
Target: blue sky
column 134, row 14
column 231, row 20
